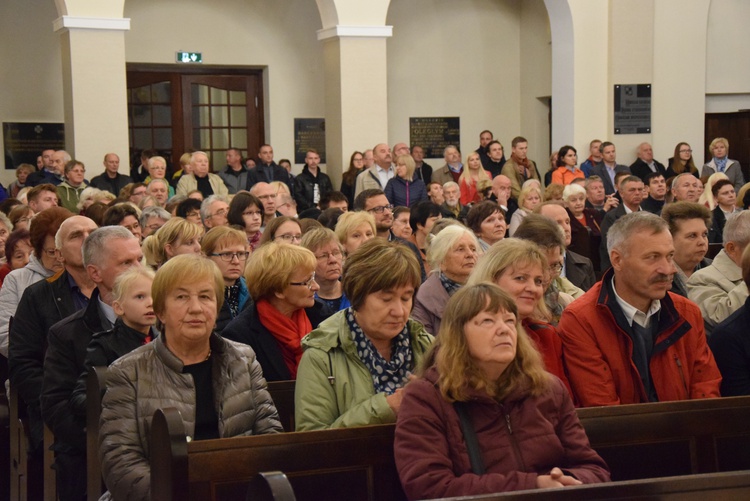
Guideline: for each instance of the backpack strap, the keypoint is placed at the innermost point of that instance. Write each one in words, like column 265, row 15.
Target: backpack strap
column 470, row 437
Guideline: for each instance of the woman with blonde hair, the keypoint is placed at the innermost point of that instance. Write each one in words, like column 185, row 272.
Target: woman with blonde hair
column 472, row 175
column 281, row 280
column 484, row 416
column 403, row 189
column 520, row 268
column 176, row 237
column 216, row 385
column 719, row 149
column 355, row 228
column 529, row 198
column 707, row 198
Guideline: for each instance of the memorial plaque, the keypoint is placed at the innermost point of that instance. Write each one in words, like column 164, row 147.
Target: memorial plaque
column 309, row 133
column 24, row 141
column 633, row 109
column 433, row 134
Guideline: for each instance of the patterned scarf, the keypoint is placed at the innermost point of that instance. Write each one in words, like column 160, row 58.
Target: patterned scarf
column 449, row 285
column 387, row 376
column 721, row 164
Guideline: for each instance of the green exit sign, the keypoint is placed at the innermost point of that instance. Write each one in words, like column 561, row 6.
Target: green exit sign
column 189, row 57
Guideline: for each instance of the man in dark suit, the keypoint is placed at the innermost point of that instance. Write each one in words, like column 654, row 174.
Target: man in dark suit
column 631, row 189
column 495, row 158
column 267, row 170
column 645, row 164
column 608, row 167
column 577, row 268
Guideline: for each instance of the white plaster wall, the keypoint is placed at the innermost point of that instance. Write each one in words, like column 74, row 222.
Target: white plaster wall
column 30, row 55
column 728, row 47
column 536, row 81
column 278, row 35
column 450, row 58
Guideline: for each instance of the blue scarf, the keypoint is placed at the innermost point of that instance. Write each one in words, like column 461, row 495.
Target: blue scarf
column 387, row 376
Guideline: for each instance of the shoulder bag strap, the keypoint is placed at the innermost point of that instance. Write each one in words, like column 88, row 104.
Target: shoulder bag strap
column 470, row 437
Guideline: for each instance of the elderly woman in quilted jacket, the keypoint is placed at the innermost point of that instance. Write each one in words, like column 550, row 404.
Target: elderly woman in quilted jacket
column 484, row 416
column 179, row 370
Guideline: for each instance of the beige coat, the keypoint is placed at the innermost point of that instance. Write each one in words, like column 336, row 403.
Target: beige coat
column 718, row 290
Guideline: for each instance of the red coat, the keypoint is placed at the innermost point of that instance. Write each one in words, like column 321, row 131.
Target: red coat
column 549, row 344
column 520, row 438
column 598, row 351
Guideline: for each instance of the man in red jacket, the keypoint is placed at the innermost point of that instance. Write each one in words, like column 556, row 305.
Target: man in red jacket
column 628, row 340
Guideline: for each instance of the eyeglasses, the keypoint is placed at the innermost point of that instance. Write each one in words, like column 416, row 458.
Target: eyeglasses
column 307, row 284
column 289, row 238
column 220, row 212
column 380, row 208
column 686, row 151
column 555, row 268
column 253, row 213
column 138, row 193
column 326, row 255
column 228, row 256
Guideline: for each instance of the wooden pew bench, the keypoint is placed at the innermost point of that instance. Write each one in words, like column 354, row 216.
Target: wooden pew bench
column 638, row 441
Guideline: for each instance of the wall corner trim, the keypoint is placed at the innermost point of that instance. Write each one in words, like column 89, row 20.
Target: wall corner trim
column 355, row 31
column 91, row 23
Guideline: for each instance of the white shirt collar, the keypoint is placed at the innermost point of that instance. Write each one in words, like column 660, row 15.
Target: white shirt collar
column 634, row 314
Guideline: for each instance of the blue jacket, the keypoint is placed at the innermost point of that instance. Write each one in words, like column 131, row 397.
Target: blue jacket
column 397, row 188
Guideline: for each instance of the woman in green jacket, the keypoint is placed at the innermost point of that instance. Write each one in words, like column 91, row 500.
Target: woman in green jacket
column 357, row 362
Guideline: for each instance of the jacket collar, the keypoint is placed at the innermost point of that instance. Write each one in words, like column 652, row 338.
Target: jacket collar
column 671, row 327
column 724, row 265
column 216, row 344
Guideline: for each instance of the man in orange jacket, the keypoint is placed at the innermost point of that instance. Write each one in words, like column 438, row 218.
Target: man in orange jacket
column 628, row 340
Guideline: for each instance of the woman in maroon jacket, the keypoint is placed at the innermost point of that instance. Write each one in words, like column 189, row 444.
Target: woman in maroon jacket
column 519, row 418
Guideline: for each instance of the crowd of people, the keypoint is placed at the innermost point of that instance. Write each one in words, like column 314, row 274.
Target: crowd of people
column 474, row 304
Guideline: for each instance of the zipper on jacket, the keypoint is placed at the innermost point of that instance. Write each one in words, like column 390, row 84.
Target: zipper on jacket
column 513, row 441
column 682, row 376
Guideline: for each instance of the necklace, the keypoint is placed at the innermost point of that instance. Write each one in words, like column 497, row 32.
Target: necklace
column 209, row 354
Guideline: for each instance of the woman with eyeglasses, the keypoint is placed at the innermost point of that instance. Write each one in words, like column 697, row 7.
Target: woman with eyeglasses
column 520, row 268
column 682, row 161
column 228, row 248
column 281, row 280
column 282, row 229
column 246, row 214
column 330, row 258
column 357, row 362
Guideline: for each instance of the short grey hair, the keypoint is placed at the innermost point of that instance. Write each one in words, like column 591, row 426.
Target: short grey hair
column 573, row 189
column 737, row 229
column 442, row 243
column 449, row 147
column 450, row 184
column 5, row 221
column 154, row 211
column 621, row 232
column 162, row 181
column 206, row 205
column 678, row 177
column 94, row 247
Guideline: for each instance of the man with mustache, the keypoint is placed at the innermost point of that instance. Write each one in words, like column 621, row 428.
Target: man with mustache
column 628, row 340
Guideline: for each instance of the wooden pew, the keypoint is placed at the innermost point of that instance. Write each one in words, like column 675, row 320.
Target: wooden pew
column 729, row 486
column 26, row 473
column 282, row 393
column 354, row 463
column 638, row 441
column 671, row 438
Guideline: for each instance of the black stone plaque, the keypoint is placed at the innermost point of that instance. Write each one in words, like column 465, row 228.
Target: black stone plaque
column 633, row 109
column 433, row 134
column 309, row 133
column 24, row 141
